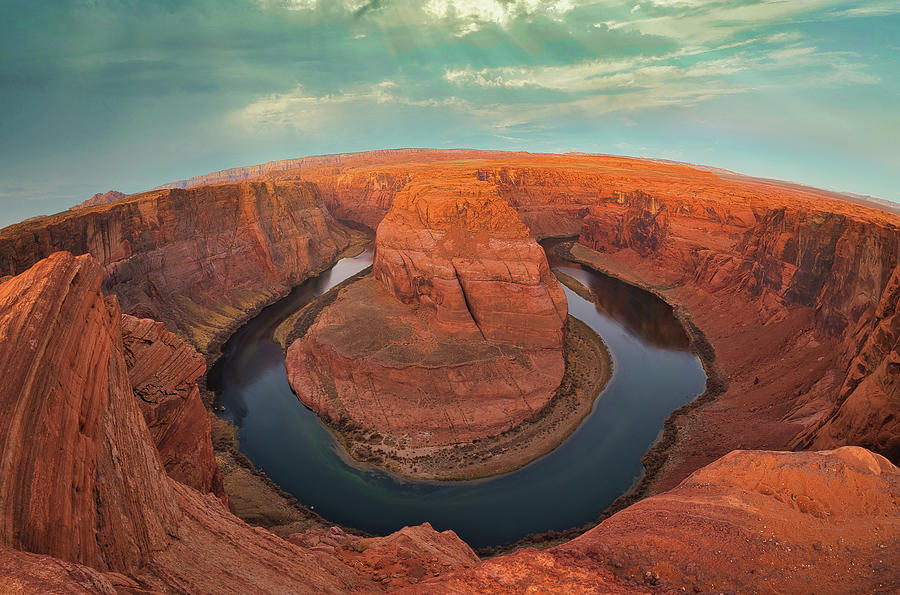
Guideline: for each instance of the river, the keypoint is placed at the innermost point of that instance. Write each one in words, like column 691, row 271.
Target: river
column 654, row 372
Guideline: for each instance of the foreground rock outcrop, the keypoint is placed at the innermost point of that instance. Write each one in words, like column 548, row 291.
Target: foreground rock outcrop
column 81, row 478
column 779, row 522
column 457, row 337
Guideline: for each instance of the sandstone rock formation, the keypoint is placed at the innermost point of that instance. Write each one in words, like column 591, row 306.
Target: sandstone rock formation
column 767, row 521
column 199, row 260
column 101, row 198
column 163, row 371
column 82, row 481
column 458, row 337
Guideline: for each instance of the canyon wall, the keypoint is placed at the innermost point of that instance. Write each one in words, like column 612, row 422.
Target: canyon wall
column 198, row 260
column 163, row 371
column 83, row 482
column 781, row 260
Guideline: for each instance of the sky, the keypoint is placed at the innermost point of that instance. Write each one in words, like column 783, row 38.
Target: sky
column 131, row 94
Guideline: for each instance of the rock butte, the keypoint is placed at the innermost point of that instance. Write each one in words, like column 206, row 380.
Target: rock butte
column 458, row 337
column 106, row 482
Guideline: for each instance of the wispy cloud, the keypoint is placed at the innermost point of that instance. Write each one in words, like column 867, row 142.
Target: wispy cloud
column 306, row 112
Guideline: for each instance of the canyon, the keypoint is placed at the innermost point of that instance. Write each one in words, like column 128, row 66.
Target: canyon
column 110, row 313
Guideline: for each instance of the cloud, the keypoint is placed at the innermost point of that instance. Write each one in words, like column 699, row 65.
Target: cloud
column 659, row 72
column 304, row 112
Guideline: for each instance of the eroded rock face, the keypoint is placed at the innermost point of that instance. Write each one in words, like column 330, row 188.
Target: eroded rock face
column 163, row 371
column 461, row 254
column 199, row 259
column 79, row 477
column 82, row 481
column 785, row 522
column 459, row 335
column 866, row 411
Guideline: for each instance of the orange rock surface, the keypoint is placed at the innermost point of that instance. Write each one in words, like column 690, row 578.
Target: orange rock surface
column 83, row 482
column 773, row 522
column 459, row 337
column 22, row 573
column 163, row 371
column 199, row 260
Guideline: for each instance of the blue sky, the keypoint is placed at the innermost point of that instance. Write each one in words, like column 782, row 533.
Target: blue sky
column 129, row 94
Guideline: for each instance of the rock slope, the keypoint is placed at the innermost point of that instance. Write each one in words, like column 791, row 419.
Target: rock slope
column 763, row 521
column 82, row 481
column 163, row 371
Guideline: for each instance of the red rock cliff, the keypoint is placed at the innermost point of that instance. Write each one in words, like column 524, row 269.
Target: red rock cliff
column 198, row 259
column 459, row 337
column 80, row 479
column 163, row 371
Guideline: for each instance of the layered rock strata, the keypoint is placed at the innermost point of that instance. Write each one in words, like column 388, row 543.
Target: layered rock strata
column 83, row 482
column 163, row 371
column 79, row 477
column 199, row 260
column 457, row 337
column 820, row 286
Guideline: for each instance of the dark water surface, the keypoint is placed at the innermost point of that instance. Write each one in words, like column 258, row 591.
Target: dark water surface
column 653, row 373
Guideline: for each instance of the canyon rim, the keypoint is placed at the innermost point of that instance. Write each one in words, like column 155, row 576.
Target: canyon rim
column 506, row 296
